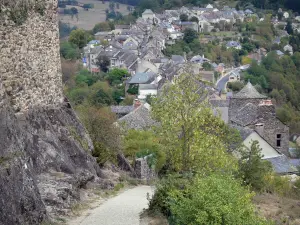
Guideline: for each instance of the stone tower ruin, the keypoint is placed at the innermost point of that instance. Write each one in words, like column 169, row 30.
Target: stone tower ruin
column 30, row 68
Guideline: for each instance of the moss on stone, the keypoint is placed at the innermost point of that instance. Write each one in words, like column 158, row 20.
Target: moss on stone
column 18, row 10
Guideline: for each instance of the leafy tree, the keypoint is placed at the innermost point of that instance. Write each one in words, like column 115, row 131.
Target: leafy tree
column 289, row 27
column 190, row 35
column 103, row 63
column 207, row 66
column 133, row 89
column 104, row 134
column 69, row 50
column 184, row 17
column 116, row 76
column 194, row 19
column 235, row 86
column 194, row 138
column 252, row 168
column 214, row 199
column 103, row 26
column 80, row 37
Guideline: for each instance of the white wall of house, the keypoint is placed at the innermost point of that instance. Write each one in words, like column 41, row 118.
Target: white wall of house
column 267, row 150
column 143, row 93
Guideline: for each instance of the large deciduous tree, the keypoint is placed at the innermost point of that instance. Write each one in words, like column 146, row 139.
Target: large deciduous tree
column 195, row 139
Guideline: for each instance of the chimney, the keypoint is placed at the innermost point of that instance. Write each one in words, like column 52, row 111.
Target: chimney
column 266, row 110
column 136, row 103
column 184, row 56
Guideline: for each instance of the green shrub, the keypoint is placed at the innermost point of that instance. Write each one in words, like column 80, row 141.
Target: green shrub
column 214, row 199
column 278, row 184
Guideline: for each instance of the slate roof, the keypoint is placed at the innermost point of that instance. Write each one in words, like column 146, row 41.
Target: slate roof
column 148, row 11
column 120, row 109
column 148, row 86
column 138, row 119
column 246, row 115
column 142, row 78
column 231, row 44
column 178, row 59
column 249, row 92
column 282, row 165
column 244, row 131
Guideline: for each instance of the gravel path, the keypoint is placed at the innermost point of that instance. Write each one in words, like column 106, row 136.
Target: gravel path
column 123, row 209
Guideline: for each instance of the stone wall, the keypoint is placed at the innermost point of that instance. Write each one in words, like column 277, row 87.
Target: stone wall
column 142, row 169
column 29, row 53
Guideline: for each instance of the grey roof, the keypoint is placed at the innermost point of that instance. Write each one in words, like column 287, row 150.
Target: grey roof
column 120, row 109
column 233, row 44
column 249, row 92
column 246, row 115
column 148, row 86
column 148, row 11
column 142, row 78
column 282, row 164
column 138, row 119
column 178, row 59
column 244, row 131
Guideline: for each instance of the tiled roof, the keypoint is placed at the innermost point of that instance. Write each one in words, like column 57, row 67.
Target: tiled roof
column 246, row 115
column 142, row 78
column 281, row 164
column 120, row 109
column 249, row 92
column 138, row 119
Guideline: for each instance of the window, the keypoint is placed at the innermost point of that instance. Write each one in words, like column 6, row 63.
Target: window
column 278, row 140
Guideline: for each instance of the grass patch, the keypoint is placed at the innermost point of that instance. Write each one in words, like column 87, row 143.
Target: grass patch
column 79, row 207
column 84, row 144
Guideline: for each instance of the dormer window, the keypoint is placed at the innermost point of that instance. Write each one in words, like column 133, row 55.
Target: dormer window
column 278, row 140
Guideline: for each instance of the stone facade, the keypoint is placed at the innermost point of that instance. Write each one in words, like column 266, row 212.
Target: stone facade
column 250, row 109
column 29, row 54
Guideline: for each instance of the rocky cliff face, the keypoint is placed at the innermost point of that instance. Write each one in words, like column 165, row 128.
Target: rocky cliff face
column 44, row 161
column 44, row 149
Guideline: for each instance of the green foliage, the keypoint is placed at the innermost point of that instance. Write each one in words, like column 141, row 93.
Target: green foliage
column 214, row 199
column 80, row 37
column 69, row 50
column 103, row 26
column 194, row 139
column 190, row 35
column 116, row 76
column 144, row 143
column 104, row 134
column 253, row 170
column 133, row 89
column 280, row 77
column 235, row 86
column 207, row 66
column 184, row 17
column 103, row 63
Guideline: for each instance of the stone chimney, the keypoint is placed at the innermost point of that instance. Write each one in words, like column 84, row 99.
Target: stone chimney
column 137, row 103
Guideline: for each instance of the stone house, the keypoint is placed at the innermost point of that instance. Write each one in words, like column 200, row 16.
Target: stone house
column 250, row 109
column 148, row 14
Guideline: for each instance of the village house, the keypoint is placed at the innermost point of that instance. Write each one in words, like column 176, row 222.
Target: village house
column 288, row 48
column 148, row 14
column 248, row 108
column 233, row 44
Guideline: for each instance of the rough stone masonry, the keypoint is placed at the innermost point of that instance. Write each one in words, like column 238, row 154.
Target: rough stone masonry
column 29, row 53
column 44, row 149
